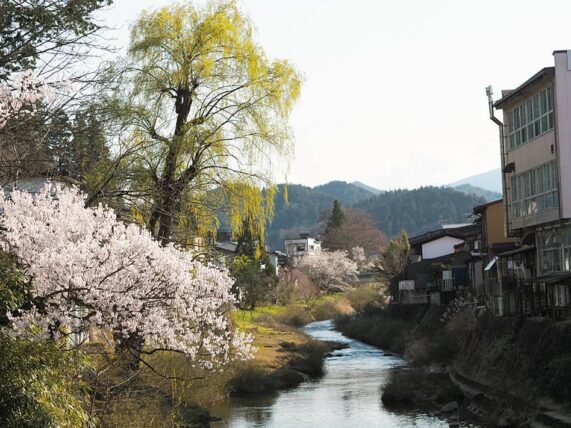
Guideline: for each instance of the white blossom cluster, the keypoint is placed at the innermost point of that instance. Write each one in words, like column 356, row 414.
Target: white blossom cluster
column 20, row 97
column 90, row 270
column 330, row 270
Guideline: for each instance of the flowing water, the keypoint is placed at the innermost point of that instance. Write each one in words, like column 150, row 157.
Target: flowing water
column 348, row 395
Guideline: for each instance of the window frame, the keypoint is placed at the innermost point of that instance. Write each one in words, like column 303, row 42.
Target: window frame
column 531, row 118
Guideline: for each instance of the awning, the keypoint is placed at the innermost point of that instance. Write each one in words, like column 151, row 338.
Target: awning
column 523, row 249
column 551, row 277
column 491, row 263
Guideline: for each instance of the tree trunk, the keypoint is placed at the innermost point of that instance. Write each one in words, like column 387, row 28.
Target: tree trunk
column 169, row 188
column 129, row 349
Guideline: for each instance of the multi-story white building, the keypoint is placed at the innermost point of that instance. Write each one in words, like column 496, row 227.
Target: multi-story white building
column 536, row 173
column 296, row 248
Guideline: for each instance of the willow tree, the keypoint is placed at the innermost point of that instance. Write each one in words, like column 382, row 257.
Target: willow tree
column 210, row 113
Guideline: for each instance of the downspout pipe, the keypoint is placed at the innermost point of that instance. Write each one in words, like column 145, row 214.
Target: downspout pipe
column 490, row 93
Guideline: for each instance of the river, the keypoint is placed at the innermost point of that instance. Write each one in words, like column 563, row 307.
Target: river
column 348, row 395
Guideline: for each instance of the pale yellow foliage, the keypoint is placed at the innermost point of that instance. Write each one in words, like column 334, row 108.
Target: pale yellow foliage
column 236, row 130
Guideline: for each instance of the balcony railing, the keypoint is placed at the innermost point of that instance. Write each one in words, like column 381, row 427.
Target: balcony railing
column 407, row 285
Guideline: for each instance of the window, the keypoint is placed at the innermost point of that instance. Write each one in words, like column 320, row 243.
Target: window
column 531, row 119
column 554, row 250
column 534, row 190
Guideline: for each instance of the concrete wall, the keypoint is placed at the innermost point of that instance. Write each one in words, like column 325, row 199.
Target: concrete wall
column 563, row 127
column 494, row 224
column 307, row 246
column 439, row 247
column 529, row 155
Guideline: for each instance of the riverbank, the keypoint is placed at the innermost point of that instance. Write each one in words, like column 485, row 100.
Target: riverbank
column 285, row 356
column 348, row 394
column 507, row 368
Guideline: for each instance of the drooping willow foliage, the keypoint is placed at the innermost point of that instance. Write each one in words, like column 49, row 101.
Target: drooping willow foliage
column 208, row 112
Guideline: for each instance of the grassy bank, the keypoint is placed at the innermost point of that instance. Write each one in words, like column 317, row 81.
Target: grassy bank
column 285, row 356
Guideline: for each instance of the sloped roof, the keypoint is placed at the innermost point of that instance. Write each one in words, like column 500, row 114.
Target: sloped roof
column 459, row 232
column 544, row 73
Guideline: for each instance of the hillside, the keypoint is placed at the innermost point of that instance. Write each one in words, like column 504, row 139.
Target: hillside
column 490, row 180
column 371, row 189
column 346, row 193
column 299, row 215
column 419, row 210
column 416, row 210
column 488, row 195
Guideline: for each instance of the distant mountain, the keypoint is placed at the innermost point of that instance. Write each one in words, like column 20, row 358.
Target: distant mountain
column 491, row 180
column 419, row 210
column 346, row 193
column 373, row 190
column 300, row 214
column 488, row 195
column 305, row 205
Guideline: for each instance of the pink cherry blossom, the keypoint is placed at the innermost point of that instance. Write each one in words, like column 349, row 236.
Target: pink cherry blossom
column 89, row 269
column 19, row 97
column 331, row 271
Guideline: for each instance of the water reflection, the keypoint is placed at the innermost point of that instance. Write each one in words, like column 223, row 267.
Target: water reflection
column 349, row 395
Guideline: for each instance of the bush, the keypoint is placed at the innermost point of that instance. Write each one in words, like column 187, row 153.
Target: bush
column 376, row 327
column 365, row 295
column 440, row 344
column 252, row 380
column 39, row 384
column 255, row 380
column 325, row 310
column 295, row 316
column 312, row 358
column 416, row 387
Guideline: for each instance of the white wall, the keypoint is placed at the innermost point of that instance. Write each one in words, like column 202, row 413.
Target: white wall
column 563, row 126
column 439, row 247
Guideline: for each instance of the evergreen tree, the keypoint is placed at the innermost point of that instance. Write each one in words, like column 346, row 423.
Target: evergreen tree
column 255, row 276
column 337, row 217
column 247, row 245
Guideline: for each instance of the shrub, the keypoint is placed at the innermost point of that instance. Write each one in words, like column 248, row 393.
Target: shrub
column 416, row 387
column 325, row 310
column 365, row 295
column 39, row 384
column 295, row 316
column 252, row 380
column 558, row 374
column 313, row 354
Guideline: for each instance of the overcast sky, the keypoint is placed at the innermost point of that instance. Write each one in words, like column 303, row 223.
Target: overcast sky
column 394, row 92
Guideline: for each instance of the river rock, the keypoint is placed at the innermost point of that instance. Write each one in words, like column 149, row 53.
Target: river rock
column 449, row 407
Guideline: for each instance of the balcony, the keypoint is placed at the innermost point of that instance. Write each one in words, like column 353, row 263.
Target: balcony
column 407, row 285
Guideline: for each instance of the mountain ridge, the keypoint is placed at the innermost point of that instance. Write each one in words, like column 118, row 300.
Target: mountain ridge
column 488, row 180
column 417, row 210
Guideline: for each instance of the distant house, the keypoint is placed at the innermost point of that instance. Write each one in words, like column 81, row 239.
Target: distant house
column 278, row 260
column 296, row 248
column 33, row 185
column 437, row 270
column 495, row 249
column 440, row 242
column 225, row 251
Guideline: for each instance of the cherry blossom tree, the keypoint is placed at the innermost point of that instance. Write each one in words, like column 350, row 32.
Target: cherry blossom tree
column 89, row 269
column 331, row 271
column 358, row 256
column 19, row 97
